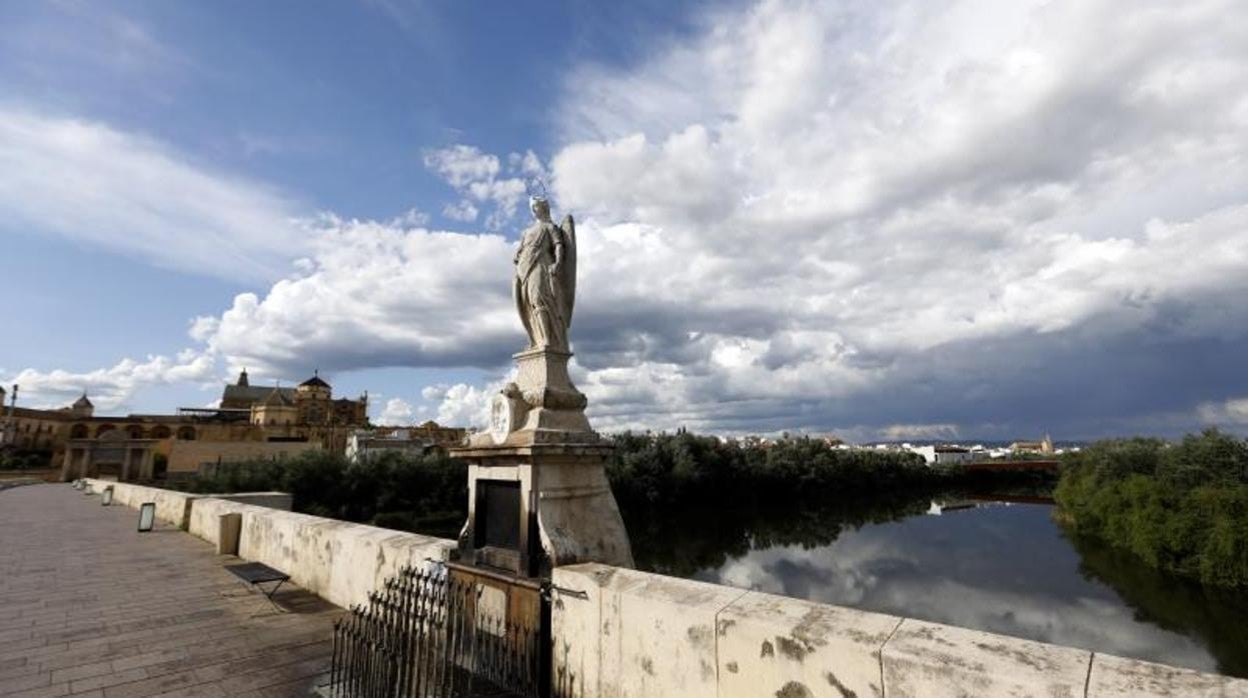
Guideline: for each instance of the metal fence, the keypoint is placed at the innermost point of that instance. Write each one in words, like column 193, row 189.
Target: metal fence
column 426, row 635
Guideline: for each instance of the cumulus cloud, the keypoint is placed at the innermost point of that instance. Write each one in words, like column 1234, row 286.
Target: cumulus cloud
column 1232, row 412
column 127, row 193
column 112, row 388
column 398, row 412
column 374, row 295
column 476, row 176
column 867, row 217
column 880, row 218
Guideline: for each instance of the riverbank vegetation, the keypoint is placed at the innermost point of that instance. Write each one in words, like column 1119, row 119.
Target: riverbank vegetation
column 648, row 472
column 426, row 494
column 1181, row 508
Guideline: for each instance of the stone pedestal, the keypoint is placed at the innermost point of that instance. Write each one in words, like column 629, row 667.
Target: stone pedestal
column 565, row 512
column 538, row 493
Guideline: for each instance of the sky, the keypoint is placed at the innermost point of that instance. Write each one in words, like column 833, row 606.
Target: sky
column 882, row 220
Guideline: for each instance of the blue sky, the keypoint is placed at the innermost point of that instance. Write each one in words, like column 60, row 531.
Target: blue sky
column 885, row 220
column 334, row 108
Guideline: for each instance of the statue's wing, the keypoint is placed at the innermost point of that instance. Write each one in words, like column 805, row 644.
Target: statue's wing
column 567, row 271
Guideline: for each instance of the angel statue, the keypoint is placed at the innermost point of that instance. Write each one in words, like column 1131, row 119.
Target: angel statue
column 545, row 283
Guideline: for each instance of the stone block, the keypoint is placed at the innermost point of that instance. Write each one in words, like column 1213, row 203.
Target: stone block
column 929, row 660
column 576, row 635
column 1112, row 677
column 229, row 526
column 658, row 635
column 776, row 646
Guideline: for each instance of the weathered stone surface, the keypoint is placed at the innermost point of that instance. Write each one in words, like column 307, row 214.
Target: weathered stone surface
column 173, row 508
column 339, row 561
column 576, row 629
column 929, row 660
column 176, row 508
column 577, row 517
column 1113, row 677
column 769, row 644
column 656, row 635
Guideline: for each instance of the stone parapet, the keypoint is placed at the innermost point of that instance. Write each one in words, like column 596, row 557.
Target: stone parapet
column 339, row 561
column 172, row 507
column 621, row 633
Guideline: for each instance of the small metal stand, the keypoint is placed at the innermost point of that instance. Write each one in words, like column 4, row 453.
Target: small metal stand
column 257, row 574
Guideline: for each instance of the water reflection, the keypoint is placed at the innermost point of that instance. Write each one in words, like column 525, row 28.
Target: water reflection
column 1005, row 568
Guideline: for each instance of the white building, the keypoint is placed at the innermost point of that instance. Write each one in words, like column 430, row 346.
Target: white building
column 943, row 455
column 364, row 443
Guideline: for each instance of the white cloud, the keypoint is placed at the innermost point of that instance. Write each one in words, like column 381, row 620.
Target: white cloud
column 898, row 432
column 475, row 175
column 875, row 216
column 374, row 295
column 398, row 412
column 466, row 404
column 124, row 192
column 112, row 388
column 462, row 210
column 1231, row 412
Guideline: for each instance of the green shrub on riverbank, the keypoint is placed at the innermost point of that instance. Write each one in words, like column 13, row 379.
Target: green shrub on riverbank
column 393, row 490
column 1182, row 508
column 648, row 472
column 683, row 467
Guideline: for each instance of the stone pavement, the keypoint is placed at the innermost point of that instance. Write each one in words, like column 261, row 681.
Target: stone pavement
column 91, row 607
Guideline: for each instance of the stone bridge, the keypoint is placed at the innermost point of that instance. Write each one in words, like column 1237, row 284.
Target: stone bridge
column 615, row 632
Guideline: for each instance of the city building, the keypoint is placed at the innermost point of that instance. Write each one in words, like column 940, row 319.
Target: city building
column 1042, row 447
column 249, row 422
column 945, row 454
column 417, row 440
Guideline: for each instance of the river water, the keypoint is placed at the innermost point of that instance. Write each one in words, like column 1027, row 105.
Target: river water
column 991, row 565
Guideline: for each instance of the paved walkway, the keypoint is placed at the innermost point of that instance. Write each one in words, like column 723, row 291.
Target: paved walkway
column 91, row 607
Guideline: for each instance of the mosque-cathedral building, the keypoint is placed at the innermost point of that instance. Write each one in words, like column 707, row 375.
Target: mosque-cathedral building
column 249, row 422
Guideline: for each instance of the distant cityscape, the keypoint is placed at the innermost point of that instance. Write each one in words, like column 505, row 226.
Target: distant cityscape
column 249, row 422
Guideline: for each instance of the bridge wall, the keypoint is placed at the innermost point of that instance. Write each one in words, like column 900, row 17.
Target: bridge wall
column 339, row 561
column 622, row 633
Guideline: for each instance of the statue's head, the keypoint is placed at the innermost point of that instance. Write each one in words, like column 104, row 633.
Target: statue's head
column 540, row 207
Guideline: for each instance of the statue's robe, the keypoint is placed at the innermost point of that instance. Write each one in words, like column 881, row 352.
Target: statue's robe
column 537, row 291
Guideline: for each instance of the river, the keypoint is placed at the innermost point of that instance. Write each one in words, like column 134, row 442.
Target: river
column 999, row 566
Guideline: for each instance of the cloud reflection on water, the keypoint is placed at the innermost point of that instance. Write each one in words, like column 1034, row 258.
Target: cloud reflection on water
column 1003, row 569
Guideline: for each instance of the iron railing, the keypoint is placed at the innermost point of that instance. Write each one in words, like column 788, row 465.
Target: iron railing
column 424, row 635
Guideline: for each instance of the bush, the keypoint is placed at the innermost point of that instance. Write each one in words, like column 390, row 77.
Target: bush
column 413, row 493
column 677, row 469
column 1182, row 508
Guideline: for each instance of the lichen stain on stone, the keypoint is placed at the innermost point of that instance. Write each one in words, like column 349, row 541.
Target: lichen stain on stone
column 731, row 667
column 791, row 648
column 708, row 671
column 699, row 636
column 723, row 626
column 793, row 689
column 767, row 650
column 840, row 687
column 812, row 629
column 647, row 665
column 1036, row 662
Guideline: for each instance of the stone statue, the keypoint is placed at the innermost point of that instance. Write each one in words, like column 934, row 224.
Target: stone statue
column 545, row 280
column 538, row 436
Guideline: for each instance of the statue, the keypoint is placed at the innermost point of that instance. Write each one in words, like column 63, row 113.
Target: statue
column 545, row 281
column 538, row 438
